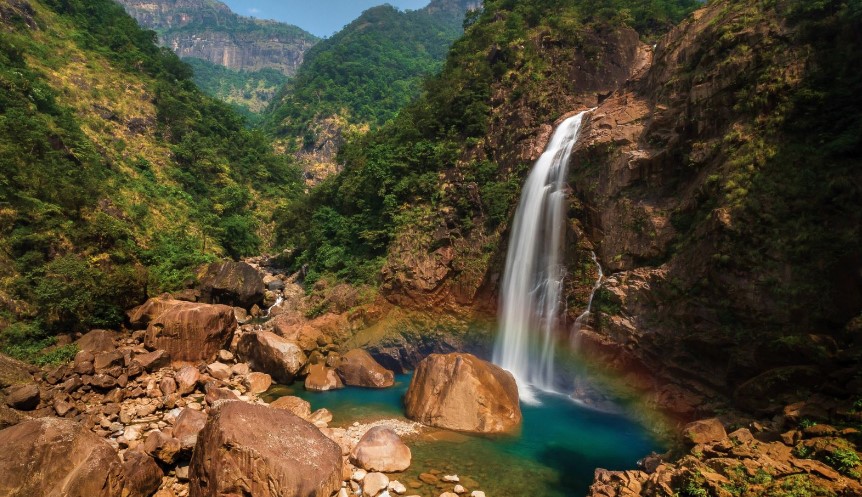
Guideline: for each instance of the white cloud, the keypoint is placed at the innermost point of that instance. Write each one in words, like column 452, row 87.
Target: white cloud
column 254, row 11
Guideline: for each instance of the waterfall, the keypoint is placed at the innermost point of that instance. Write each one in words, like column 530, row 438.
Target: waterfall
column 278, row 301
column 532, row 290
column 576, row 328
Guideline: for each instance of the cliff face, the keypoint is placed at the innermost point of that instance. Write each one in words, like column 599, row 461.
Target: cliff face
column 716, row 190
column 209, row 30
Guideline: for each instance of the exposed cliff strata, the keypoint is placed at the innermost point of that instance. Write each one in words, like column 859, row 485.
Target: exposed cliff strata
column 209, row 30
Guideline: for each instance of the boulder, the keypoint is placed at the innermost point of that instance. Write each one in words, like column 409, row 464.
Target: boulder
column 143, row 475
column 219, row 371
column 153, row 361
column 23, row 397
column 306, row 336
column 374, row 483
column 464, row 393
column 140, row 317
column 97, row 341
column 249, row 449
column 192, row 332
column 162, row 447
column 52, row 456
column 187, row 426
column 269, row 353
column 704, row 431
column 359, row 369
column 187, row 379
column 321, row 379
column 231, row 283
column 295, row 405
column 381, row 449
column 257, row 383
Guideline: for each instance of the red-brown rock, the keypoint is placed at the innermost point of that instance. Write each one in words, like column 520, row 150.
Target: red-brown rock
column 299, row 407
column 464, row 393
column 189, row 423
column 143, row 475
column 321, row 379
column 162, row 447
column 232, row 283
column 57, row 457
column 187, row 379
column 248, row 449
column 704, row 431
column 23, row 397
column 97, row 341
column 359, row 369
column 269, row 353
column 381, row 449
column 192, row 332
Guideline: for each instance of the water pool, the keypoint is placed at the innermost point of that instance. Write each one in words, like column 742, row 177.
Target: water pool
column 555, row 454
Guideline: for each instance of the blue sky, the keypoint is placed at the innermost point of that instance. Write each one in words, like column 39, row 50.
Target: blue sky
column 321, row 17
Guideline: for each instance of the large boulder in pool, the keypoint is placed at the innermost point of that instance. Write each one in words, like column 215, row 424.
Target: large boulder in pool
column 357, row 368
column 381, row 449
column 464, row 393
column 255, row 450
column 52, row 456
column 232, row 283
column 269, row 353
column 189, row 331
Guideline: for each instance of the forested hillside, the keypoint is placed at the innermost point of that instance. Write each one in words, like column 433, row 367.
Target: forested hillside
column 239, row 60
column 362, row 76
column 118, row 175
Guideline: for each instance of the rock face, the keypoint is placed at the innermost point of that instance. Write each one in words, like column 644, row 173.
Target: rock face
column 209, row 30
column 143, row 475
column 190, row 331
column 247, row 449
column 381, row 449
column 358, row 368
column 51, row 456
column 464, row 393
column 269, row 353
column 704, row 431
column 232, row 283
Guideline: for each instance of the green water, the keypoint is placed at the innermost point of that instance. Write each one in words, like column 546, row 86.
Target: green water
column 559, row 447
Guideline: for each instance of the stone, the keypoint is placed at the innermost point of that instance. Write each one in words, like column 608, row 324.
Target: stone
column 97, row 341
column 191, row 331
column 168, row 385
column 162, row 447
column 257, row 383
column 53, row 456
column 214, row 393
column 268, row 353
column 143, row 475
column 153, row 361
column 225, row 356
column 23, row 397
column 232, row 283
column 320, row 418
column 249, row 449
column 103, row 381
column 219, row 371
column 464, row 393
column 459, row 489
column 397, row 487
column 321, row 379
column 182, row 473
column 381, row 449
column 358, row 474
column 104, row 360
column 374, row 483
column 451, row 478
column 477, row 493
column 241, row 369
column 187, row 379
column 187, row 426
column 357, row 368
column 704, row 431
column 295, row 405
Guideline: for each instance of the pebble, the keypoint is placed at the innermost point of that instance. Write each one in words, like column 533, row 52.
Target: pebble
column 397, row 487
column 358, row 475
column 460, row 490
column 373, row 483
column 477, row 493
column 451, row 479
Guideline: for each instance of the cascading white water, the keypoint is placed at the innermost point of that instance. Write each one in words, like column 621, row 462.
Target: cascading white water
column 532, row 290
column 579, row 322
